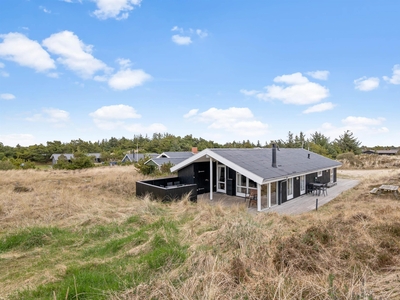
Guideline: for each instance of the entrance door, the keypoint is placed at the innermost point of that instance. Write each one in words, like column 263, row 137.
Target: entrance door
column 221, row 179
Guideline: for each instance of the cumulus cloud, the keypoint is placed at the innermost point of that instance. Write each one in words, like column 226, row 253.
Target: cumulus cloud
column 185, row 36
column 117, row 116
column 191, row 113
column 115, row 112
column 18, row 48
column 293, row 89
column 319, row 108
column 366, row 84
column 74, row 54
column 51, row 115
column 181, row 40
column 17, row 139
column 249, row 92
column 363, row 128
column 395, row 79
column 7, row 96
column 239, row 121
column 320, row 75
column 362, row 121
column 117, row 9
column 127, row 78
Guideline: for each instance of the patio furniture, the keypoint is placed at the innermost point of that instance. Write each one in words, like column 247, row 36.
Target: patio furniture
column 388, row 188
column 252, row 196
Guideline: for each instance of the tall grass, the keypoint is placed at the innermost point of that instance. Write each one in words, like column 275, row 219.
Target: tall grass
column 84, row 235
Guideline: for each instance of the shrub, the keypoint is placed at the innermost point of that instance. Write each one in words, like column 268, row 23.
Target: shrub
column 6, row 165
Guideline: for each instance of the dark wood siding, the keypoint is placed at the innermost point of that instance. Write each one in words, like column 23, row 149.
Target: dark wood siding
column 335, row 175
column 296, row 186
column 282, row 191
column 186, row 175
column 231, row 182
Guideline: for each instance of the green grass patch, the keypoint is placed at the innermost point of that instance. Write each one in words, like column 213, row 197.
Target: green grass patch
column 36, row 237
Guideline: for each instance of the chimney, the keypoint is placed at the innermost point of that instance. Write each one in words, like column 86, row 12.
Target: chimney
column 194, row 150
column 273, row 156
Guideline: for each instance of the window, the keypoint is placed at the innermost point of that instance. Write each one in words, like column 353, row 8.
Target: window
column 290, row 188
column 319, row 173
column 302, row 184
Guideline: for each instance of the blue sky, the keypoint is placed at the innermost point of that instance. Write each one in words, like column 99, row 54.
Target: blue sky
column 221, row 70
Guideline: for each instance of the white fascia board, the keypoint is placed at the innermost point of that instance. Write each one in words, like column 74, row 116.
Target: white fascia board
column 237, row 168
column 270, row 180
column 162, row 155
column 220, row 159
column 189, row 160
column 152, row 161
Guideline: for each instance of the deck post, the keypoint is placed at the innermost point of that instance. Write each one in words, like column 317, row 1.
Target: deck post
column 211, row 179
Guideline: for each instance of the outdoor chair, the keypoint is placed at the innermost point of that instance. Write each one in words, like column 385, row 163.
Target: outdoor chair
column 324, row 189
column 252, row 196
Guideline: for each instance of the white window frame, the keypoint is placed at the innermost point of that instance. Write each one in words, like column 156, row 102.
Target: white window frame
column 289, row 196
column 319, row 174
column 302, row 184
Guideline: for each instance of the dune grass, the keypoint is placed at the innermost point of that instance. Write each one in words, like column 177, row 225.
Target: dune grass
column 84, row 235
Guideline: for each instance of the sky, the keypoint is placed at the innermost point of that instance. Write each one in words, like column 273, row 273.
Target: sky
column 217, row 69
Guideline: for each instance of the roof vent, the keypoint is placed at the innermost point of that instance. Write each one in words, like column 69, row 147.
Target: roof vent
column 309, row 155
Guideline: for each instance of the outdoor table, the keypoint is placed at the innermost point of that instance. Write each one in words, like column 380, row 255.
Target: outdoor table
column 389, row 188
column 317, row 187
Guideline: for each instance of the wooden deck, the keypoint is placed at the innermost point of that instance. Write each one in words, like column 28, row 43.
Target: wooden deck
column 296, row 206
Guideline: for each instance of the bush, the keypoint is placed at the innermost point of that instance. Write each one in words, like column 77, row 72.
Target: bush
column 6, row 165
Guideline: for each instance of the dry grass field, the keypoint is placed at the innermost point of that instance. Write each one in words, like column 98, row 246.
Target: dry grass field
column 84, row 235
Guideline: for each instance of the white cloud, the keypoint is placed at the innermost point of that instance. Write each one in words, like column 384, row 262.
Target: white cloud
column 116, row 116
column 17, row 138
column 7, row 96
column 51, row 115
column 363, row 128
column 395, row 79
column 320, row 75
column 191, row 113
column 28, row 53
column 239, row 121
column 249, row 92
column 201, row 33
column 126, row 79
column 124, row 63
column 176, row 28
column 181, row 40
column 117, row 9
column 362, row 121
column 292, row 79
column 185, row 37
column 319, row 108
column 296, row 89
column 3, row 73
column 366, row 84
column 45, row 9
column 115, row 112
column 74, row 54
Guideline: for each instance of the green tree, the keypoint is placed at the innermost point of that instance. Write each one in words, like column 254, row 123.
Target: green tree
column 347, row 142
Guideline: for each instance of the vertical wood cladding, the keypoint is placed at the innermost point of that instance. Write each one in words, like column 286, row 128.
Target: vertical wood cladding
column 231, row 182
column 335, row 175
column 296, row 186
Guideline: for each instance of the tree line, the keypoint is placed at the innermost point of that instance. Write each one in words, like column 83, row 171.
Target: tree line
column 114, row 149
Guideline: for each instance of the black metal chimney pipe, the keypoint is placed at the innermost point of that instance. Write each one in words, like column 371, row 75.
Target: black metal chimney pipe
column 273, row 155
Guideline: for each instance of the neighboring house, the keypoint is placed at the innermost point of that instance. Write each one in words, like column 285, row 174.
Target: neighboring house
column 69, row 156
column 275, row 175
column 54, row 157
column 134, row 157
column 381, row 152
column 173, row 158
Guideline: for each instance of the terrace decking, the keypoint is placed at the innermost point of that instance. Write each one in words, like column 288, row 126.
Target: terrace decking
column 296, row 206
